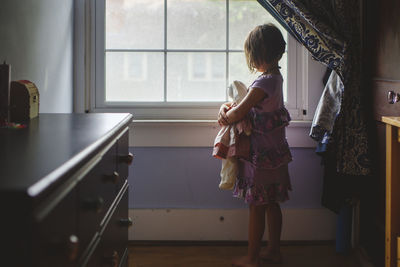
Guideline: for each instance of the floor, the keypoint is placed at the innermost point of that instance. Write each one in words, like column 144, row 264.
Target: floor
column 219, row 256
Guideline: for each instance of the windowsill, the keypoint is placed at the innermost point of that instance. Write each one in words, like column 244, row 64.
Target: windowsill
column 200, row 133
column 293, row 123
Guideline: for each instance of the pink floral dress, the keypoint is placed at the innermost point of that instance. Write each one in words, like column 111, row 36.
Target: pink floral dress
column 264, row 176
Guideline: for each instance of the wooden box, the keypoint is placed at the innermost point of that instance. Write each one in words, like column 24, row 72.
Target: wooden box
column 24, row 101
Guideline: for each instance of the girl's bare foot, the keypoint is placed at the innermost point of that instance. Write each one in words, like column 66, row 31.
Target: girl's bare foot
column 271, row 256
column 246, row 262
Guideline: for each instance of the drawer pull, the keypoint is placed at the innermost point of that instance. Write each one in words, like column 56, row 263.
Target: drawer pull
column 73, row 248
column 113, row 178
column 128, row 159
column 126, row 222
column 94, row 204
column 112, row 259
column 393, row 97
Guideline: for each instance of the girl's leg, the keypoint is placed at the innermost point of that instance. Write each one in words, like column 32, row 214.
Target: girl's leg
column 255, row 233
column 256, row 230
column 274, row 219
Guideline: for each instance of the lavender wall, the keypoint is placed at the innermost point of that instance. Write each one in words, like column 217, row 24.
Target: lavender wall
column 188, row 178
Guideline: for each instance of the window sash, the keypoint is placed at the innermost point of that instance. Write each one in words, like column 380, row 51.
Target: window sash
column 168, row 109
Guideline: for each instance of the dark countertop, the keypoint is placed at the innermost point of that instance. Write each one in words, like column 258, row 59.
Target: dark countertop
column 53, row 145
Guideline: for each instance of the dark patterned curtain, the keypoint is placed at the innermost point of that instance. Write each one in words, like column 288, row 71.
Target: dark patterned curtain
column 330, row 30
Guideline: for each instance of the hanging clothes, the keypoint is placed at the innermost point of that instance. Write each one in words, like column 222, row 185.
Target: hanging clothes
column 330, row 31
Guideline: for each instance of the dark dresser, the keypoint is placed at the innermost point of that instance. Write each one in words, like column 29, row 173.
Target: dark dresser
column 64, row 191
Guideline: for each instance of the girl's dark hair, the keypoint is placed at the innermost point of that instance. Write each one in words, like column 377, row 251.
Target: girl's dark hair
column 263, row 45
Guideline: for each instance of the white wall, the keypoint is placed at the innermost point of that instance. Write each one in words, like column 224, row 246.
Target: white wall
column 36, row 38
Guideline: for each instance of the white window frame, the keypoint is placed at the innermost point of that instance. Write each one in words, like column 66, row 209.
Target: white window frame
column 95, row 9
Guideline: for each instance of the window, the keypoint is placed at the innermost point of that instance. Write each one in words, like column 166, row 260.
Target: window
column 174, row 59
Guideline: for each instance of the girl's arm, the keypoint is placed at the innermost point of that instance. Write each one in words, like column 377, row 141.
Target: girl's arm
column 222, row 113
column 238, row 112
column 225, row 106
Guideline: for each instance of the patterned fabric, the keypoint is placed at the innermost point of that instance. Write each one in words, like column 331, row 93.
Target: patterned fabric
column 271, row 158
column 330, row 30
column 264, row 177
column 269, row 148
column 257, row 192
column 267, row 121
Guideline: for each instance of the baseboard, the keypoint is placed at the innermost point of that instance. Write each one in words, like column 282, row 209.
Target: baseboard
column 225, row 224
column 171, row 243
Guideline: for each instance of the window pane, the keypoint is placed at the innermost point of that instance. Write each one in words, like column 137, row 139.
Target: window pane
column 194, row 24
column 134, row 76
column 238, row 70
column 131, row 23
column 191, row 77
column 244, row 15
column 191, row 24
column 199, row 66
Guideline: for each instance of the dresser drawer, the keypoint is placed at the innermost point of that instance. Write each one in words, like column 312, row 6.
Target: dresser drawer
column 55, row 241
column 96, row 194
column 124, row 158
column 60, row 189
column 111, row 249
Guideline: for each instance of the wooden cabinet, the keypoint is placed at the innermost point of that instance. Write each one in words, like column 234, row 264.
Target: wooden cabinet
column 381, row 57
column 392, row 191
column 64, row 191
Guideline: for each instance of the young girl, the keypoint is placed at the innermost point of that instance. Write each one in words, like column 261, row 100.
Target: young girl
column 263, row 180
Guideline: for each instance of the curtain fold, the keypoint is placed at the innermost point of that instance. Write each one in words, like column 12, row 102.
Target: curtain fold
column 330, row 30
